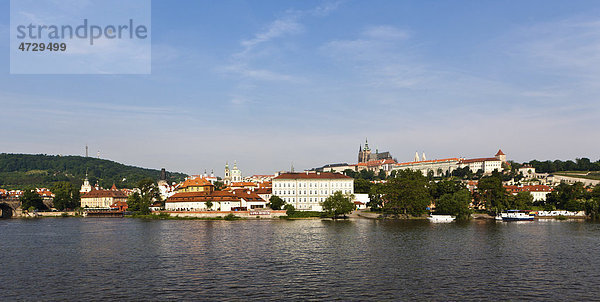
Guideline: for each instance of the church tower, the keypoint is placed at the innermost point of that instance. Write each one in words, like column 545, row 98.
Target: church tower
column 227, row 177
column 236, row 174
column 85, row 187
column 364, row 154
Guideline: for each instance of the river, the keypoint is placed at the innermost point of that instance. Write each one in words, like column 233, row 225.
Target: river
column 360, row 259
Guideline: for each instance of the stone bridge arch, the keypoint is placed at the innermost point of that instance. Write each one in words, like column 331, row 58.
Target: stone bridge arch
column 6, row 211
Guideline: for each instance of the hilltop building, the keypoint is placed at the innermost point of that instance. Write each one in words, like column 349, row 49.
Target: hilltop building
column 487, row 165
column 439, row 167
column 365, row 154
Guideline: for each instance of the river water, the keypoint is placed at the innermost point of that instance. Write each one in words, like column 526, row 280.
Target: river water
column 132, row 259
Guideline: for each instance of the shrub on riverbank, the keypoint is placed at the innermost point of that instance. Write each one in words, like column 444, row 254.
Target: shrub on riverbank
column 304, row 214
column 167, row 216
column 231, row 217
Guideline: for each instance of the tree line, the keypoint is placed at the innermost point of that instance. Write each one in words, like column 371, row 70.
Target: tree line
column 19, row 171
column 580, row 164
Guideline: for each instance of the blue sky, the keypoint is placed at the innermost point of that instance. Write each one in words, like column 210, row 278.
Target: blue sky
column 268, row 83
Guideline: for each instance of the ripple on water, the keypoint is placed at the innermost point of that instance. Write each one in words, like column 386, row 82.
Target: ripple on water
column 128, row 259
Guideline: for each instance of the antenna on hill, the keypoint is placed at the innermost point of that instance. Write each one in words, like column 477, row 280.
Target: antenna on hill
column 86, row 150
column 98, row 153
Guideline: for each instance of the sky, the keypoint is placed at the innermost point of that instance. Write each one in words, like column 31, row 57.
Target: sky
column 275, row 83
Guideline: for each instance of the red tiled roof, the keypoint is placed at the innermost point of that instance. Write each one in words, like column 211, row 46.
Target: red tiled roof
column 378, row 162
column 264, row 190
column 534, row 188
column 247, row 195
column 45, row 193
column 243, row 184
column 266, row 184
column 203, row 196
column 196, row 182
column 104, row 193
column 428, row 161
column 318, row 175
column 500, row 152
column 475, row 160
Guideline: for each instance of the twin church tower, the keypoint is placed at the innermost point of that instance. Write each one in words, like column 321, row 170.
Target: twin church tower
column 233, row 175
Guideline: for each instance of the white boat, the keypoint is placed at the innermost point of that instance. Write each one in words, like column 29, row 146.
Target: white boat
column 441, row 218
column 515, row 215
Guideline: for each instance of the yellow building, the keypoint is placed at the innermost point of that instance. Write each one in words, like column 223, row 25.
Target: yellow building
column 197, row 184
column 102, row 199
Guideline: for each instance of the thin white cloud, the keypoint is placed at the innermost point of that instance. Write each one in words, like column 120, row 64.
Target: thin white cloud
column 245, row 72
column 287, row 25
column 261, row 47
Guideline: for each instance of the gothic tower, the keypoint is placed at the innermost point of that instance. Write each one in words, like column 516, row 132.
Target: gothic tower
column 364, row 153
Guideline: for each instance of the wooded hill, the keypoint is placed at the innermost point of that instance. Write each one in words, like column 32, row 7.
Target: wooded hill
column 20, row 171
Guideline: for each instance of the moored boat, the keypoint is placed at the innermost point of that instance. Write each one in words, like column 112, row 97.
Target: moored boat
column 441, row 218
column 515, row 215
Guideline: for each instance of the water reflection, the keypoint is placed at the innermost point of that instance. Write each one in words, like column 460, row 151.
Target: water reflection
column 130, row 259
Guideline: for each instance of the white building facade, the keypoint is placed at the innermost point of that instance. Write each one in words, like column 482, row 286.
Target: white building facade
column 307, row 190
column 439, row 167
column 487, row 165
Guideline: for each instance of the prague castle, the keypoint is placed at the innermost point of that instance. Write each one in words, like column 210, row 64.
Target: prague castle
column 365, row 155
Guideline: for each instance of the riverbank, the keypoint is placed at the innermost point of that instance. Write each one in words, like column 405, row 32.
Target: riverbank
column 258, row 214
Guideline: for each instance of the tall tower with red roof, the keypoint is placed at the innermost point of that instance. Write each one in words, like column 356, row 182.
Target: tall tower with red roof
column 501, row 156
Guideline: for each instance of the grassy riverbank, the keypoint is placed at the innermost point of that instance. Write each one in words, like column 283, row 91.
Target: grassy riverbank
column 304, row 215
column 166, row 216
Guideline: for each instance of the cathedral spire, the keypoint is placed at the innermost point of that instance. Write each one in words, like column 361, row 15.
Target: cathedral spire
column 417, row 156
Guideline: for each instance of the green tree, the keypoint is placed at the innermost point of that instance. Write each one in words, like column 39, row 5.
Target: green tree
column 456, row 204
column 366, row 174
column 437, row 189
column 592, row 208
column 65, row 196
column 362, row 186
column 521, row 201
column 219, row 185
column 289, row 210
column 338, row 205
column 141, row 201
column 275, row 202
column 492, row 193
column 209, row 204
column 406, row 194
column 31, row 199
column 350, row 173
column 375, row 197
column 567, row 197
